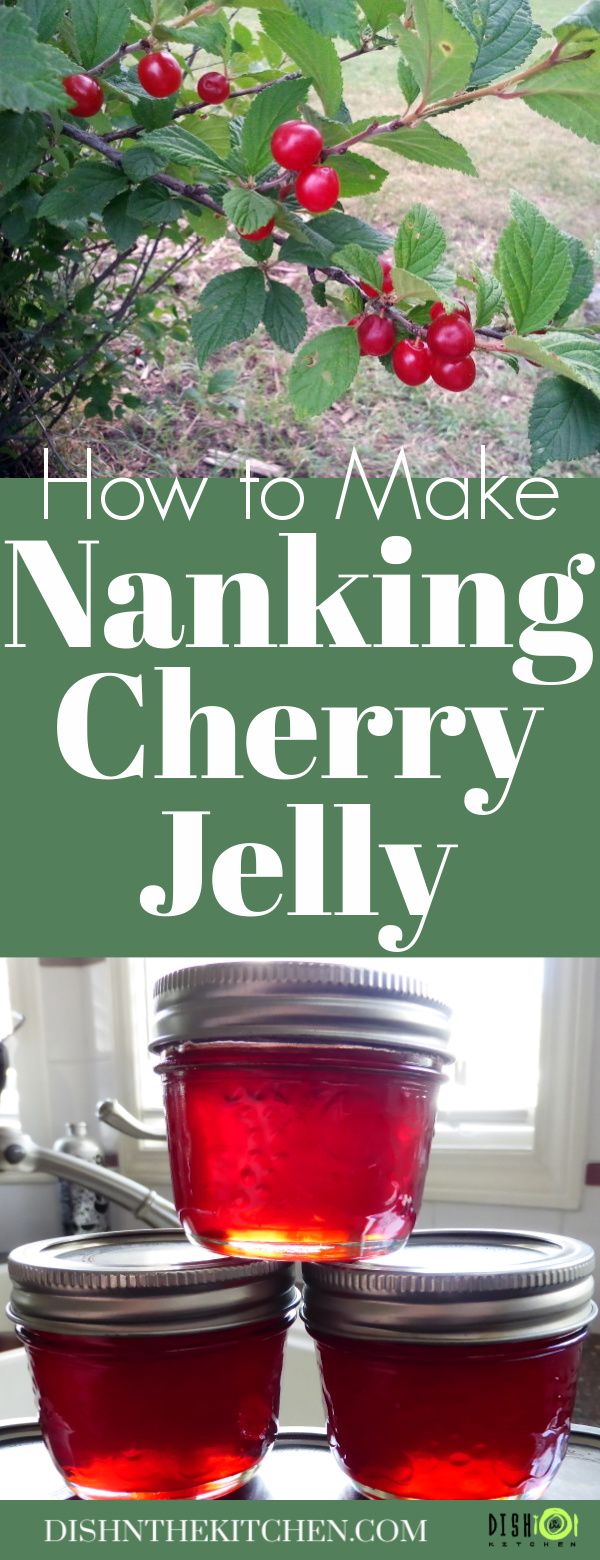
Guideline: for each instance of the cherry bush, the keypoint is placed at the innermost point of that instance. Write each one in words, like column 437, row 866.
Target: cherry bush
column 132, row 136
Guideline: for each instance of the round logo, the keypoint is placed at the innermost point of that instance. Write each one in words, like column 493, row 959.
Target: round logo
column 555, row 1524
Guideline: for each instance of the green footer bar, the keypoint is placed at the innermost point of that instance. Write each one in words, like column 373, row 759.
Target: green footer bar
column 446, row 1528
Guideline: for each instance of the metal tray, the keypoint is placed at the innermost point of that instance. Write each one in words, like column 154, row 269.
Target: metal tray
column 299, row 1467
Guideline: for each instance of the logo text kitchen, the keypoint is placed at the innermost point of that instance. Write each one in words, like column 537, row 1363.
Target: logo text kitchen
column 554, row 1526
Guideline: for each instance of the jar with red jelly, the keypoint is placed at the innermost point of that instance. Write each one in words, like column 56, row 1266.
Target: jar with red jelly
column 449, row 1371
column 300, row 1101
column 156, row 1366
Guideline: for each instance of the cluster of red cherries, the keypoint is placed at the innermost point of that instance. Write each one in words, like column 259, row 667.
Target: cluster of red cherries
column 159, row 73
column 444, row 355
column 297, row 147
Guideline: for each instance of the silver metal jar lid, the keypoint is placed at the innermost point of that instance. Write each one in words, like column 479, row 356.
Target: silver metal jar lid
column 129, row 1281
column 299, row 1001
column 457, row 1285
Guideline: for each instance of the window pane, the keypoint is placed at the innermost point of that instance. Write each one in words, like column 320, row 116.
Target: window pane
column 497, row 1006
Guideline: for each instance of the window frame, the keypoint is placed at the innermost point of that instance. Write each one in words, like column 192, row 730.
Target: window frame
column 24, row 980
column 497, row 1164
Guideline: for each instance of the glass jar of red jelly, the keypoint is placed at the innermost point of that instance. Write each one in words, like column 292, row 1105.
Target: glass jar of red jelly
column 300, row 1101
column 449, row 1371
column 156, row 1366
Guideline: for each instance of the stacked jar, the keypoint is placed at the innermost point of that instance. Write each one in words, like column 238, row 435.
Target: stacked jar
column 300, row 1102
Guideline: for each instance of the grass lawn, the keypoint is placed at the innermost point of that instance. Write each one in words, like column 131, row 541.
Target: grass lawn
column 181, row 424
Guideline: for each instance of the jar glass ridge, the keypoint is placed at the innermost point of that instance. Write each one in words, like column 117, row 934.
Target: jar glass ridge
column 156, row 1368
column 445, row 1378
column 300, row 1102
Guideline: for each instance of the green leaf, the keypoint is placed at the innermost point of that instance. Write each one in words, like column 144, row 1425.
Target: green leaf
column 582, row 279
column 152, row 113
column 221, row 381
column 420, row 241
column 359, row 262
column 323, row 370
column 285, row 316
column 248, row 210
column 534, row 266
column 424, row 144
column 231, row 307
column 182, row 148
column 20, row 136
column 333, row 18
column 123, row 229
column 439, row 50
column 505, row 35
column 141, row 161
column 268, row 110
column 489, row 297
column 152, row 206
column 99, row 27
column 206, row 32
column 564, row 422
column 413, row 289
column 215, row 131
column 378, row 12
column 569, row 353
column 44, row 15
column 337, row 229
column 584, row 21
column 83, row 192
column 206, row 223
column 357, row 175
column 315, row 56
column 569, row 94
column 30, row 72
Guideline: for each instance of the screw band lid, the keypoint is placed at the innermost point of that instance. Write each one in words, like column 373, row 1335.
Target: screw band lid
column 298, row 1001
column 141, row 1280
column 457, row 1285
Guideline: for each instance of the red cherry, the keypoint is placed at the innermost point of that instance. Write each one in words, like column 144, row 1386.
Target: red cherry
column 376, row 336
column 388, row 280
column 159, row 74
column 451, row 336
column 259, row 233
column 296, row 145
column 453, row 375
column 411, row 362
column 213, row 87
column 87, row 95
column 436, row 311
column 318, row 189
column 387, row 285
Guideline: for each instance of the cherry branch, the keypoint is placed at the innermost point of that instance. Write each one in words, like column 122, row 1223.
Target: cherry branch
column 200, row 195
column 129, row 131
column 422, row 110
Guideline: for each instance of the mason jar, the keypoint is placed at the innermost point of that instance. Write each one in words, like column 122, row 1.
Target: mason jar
column 300, row 1102
column 449, row 1371
column 156, row 1366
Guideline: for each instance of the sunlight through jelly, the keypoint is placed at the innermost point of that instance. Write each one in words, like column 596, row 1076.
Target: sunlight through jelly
column 156, row 1366
column 300, row 1101
column 449, row 1370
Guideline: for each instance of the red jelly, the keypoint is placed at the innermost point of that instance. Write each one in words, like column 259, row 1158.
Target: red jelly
column 300, row 1103
column 157, row 1369
column 449, row 1373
